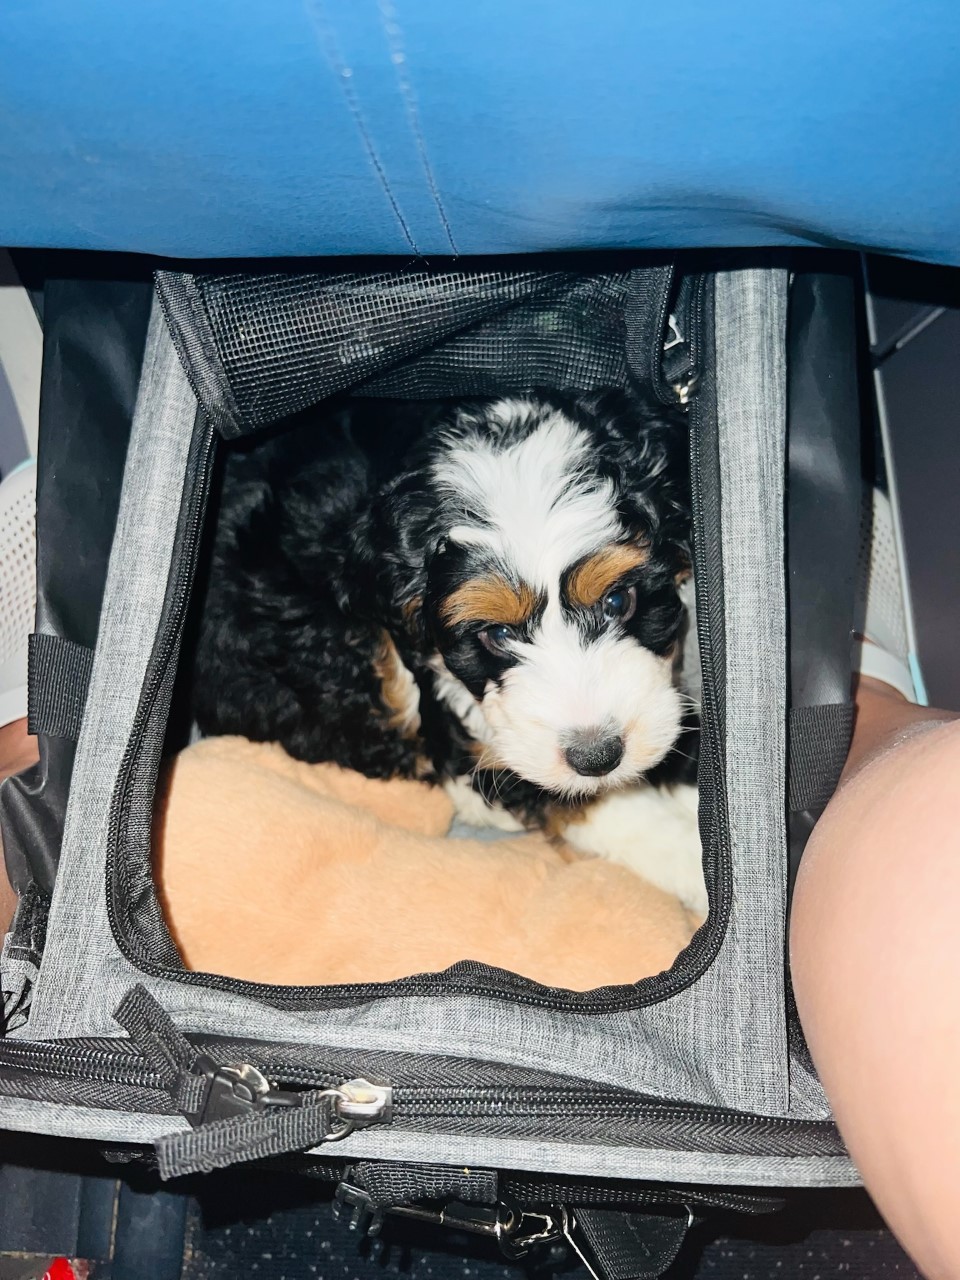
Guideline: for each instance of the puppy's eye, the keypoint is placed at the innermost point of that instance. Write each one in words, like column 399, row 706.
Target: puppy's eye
column 496, row 638
column 620, row 605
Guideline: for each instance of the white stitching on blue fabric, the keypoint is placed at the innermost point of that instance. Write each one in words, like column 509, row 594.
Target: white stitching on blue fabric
column 327, row 37
column 398, row 56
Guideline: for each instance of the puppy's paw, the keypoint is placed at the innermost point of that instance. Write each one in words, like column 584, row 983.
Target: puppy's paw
column 654, row 833
column 471, row 809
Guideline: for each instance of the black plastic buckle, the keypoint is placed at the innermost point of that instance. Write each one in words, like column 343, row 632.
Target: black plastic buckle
column 236, row 1091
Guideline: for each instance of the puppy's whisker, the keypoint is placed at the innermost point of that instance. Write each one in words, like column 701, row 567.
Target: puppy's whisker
column 688, row 702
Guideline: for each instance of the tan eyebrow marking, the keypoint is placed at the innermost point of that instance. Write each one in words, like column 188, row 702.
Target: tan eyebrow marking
column 488, row 599
column 592, row 579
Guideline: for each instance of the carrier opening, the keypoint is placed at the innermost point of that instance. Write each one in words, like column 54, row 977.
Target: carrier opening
column 443, row 667
column 439, row 691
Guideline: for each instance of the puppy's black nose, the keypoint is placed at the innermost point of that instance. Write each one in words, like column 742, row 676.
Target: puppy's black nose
column 594, row 752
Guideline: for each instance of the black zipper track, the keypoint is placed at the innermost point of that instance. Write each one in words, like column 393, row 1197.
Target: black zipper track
column 499, row 985
column 66, row 1060
column 166, row 646
column 709, row 588
column 419, row 1105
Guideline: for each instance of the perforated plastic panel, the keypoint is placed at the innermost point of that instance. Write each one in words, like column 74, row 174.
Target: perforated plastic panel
column 18, row 587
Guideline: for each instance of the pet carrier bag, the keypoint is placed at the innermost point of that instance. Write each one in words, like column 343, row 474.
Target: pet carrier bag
column 473, row 1096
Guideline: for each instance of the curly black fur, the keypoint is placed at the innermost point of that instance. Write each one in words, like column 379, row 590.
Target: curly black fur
column 331, row 534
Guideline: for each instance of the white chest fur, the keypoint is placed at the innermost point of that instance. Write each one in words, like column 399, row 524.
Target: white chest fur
column 653, row 832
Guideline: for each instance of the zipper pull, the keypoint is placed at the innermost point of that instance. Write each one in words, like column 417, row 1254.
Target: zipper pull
column 685, row 388
column 236, row 1090
column 674, row 336
column 365, row 1103
column 677, row 363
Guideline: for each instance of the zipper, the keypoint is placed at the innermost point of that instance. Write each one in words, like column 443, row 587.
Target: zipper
column 708, row 586
column 680, row 368
column 650, row 991
column 72, row 1061
column 166, row 646
column 243, row 1089
column 357, row 1102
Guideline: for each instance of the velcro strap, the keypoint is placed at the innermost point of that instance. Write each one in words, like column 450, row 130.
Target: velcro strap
column 633, row 1246
column 819, row 742
column 58, row 676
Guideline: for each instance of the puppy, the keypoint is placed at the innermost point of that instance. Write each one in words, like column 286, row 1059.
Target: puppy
column 486, row 594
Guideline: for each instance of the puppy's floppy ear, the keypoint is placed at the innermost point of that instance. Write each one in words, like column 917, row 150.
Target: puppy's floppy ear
column 644, row 447
column 405, row 535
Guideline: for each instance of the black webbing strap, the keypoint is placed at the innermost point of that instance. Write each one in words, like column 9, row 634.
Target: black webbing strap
column 633, row 1246
column 163, row 1045
column 645, row 310
column 239, row 1139
column 546, row 1189
column 390, row 1184
column 819, row 742
column 216, row 1144
column 58, row 676
column 615, row 1244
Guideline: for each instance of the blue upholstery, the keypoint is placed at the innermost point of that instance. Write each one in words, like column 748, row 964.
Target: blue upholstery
column 281, row 127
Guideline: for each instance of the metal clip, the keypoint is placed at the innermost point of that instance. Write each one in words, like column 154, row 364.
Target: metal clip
column 515, row 1231
column 533, row 1228
column 357, row 1104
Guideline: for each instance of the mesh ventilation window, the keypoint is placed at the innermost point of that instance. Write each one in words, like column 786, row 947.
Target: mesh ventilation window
column 263, row 347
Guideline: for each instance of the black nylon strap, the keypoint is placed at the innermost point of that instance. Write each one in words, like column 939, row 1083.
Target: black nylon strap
column 819, row 742
column 160, row 1042
column 530, row 1189
column 215, row 1145
column 632, row 1246
column 154, row 1032
column 389, row 1184
column 58, row 675
column 648, row 298
column 240, row 1139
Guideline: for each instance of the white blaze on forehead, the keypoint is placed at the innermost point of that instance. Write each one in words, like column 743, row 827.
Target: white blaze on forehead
column 542, row 509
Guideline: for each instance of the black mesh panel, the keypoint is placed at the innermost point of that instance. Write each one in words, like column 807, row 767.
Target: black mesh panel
column 261, row 347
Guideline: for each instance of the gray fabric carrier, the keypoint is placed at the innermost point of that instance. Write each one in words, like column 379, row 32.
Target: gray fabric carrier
column 719, row 1042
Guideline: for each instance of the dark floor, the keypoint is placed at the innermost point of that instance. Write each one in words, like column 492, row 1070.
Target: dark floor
column 820, row 1235
column 274, row 1226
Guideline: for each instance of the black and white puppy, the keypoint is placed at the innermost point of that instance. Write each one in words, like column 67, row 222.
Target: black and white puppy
column 486, row 594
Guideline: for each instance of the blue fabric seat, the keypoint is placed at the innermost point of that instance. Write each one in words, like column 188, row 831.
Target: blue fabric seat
column 425, row 127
